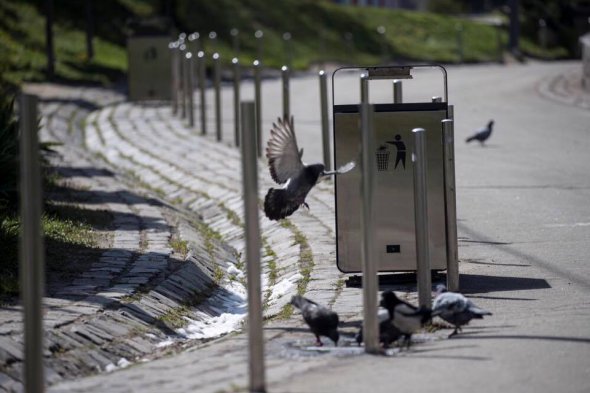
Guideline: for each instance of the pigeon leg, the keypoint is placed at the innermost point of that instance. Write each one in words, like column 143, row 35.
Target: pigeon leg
column 408, row 342
column 306, row 205
column 319, row 342
column 454, row 332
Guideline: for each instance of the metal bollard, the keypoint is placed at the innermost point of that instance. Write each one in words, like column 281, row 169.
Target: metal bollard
column 235, row 39
column 451, row 206
column 370, row 279
column 194, row 46
column 217, row 83
column 253, row 243
column 32, row 263
column 258, row 101
column 285, row 84
column 259, row 34
column 397, row 92
column 202, row 90
column 188, row 87
column 288, row 49
column 421, row 218
column 181, row 84
column 325, row 119
column 236, row 68
column 173, row 46
column 460, row 49
column 213, row 41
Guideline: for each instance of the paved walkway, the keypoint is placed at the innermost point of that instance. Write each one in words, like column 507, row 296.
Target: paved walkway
column 161, row 181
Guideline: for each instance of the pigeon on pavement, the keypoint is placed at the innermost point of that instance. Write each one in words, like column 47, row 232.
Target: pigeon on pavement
column 321, row 320
column 287, row 169
column 406, row 317
column 387, row 332
column 482, row 134
column 455, row 308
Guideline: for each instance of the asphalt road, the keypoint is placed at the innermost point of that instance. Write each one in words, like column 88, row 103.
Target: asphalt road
column 524, row 229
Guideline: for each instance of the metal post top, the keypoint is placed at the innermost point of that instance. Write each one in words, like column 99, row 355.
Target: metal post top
column 215, row 56
column 322, row 73
column 256, row 63
column 201, row 54
column 418, row 130
column 188, row 55
column 284, row 68
column 235, row 60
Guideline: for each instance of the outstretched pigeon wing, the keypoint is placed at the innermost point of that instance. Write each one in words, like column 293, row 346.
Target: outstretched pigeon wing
column 284, row 158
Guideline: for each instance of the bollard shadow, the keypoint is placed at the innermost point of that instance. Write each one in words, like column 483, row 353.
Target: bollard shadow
column 79, row 102
column 85, row 171
column 477, row 283
column 577, row 340
column 469, row 283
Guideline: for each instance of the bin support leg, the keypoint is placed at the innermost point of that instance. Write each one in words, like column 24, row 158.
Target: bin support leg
column 421, row 217
column 451, row 206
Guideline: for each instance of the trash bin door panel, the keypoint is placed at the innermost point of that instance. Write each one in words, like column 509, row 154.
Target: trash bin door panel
column 149, row 68
column 393, row 205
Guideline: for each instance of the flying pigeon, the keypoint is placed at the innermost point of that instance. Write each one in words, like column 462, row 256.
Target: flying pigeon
column 321, row 320
column 387, row 332
column 406, row 317
column 482, row 134
column 287, row 169
column 455, row 308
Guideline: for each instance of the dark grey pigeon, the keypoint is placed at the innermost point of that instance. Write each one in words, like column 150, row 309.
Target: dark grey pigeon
column 455, row 308
column 387, row 332
column 287, row 169
column 321, row 320
column 406, row 317
column 482, row 134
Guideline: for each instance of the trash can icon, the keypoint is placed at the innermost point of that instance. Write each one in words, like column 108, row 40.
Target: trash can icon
column 382, row 158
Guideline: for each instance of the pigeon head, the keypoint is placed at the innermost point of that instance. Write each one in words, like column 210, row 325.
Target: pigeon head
column 441, row 288
column 426, row 314
column 490, row 123
column 389, row 300
column 334, row 336
column 314, row 172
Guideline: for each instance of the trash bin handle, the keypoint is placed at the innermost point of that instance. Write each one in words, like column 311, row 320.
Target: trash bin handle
column 395, row 72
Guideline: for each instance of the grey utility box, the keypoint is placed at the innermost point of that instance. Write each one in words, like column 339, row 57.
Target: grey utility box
column 148, row 59
column 393, row 210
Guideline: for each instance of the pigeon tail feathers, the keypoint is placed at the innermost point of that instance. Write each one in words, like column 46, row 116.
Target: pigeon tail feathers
column 277, row 204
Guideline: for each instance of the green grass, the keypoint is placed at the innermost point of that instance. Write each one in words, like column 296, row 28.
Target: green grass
column 179, row 246
column 318, row 28
column 63, row 237
column 22, row 44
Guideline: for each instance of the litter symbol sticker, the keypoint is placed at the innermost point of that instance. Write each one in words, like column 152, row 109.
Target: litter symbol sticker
column 383, row 154
column 400, row 157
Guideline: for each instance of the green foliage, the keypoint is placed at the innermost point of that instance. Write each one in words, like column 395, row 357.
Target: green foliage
column 61, row 235
column 22, row 44
column 8, row 155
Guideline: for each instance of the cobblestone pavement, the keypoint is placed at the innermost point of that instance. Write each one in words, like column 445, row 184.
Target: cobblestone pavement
column 160, row 180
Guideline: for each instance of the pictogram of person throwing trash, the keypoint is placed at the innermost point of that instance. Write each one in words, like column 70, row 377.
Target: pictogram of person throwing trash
column 401, row 151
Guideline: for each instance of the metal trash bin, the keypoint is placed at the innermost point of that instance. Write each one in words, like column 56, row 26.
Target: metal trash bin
column 394, row 191
column 148, row 59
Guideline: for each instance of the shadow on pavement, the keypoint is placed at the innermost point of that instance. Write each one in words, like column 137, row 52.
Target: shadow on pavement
column 477, row 283
column 581, row 340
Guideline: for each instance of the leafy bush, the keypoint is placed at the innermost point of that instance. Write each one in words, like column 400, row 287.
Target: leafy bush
column 8, row 155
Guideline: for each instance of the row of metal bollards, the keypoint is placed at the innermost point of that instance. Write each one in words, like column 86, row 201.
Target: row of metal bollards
column 183, row 68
